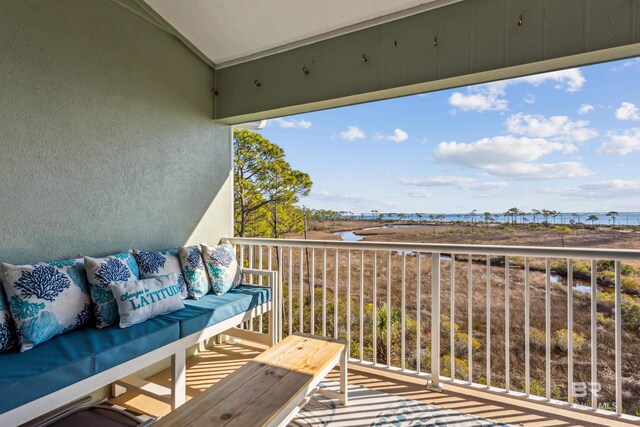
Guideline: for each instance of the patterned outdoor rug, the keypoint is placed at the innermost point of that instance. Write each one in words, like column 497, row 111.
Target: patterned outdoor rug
column 372, row 408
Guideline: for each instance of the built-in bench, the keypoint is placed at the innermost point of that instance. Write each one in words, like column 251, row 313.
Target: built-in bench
column 77, row 363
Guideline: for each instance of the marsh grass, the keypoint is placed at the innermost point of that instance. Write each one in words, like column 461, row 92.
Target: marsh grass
column 462, row 317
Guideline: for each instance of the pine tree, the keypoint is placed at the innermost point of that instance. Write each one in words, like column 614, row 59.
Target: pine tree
column 266, row 187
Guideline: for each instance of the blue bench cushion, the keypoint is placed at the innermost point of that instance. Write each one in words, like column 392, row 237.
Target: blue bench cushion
column 211, row 309
column 48, row 367
column 72, row 357
column 114, row 345
column 77, row 355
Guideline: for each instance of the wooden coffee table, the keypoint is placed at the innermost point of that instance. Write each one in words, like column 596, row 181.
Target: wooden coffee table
column 270, row 389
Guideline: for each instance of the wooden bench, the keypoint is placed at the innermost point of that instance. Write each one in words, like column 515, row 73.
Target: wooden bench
column 270, row 389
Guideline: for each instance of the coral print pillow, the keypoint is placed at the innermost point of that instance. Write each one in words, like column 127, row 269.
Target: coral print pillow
column 194, row 271
column 101, row 272
column 144, row 299
column 7, row 325
column 46, row 299
column 161, row 263
column 222, row 267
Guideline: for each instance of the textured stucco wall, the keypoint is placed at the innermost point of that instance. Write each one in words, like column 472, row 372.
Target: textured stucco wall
column 106, row 135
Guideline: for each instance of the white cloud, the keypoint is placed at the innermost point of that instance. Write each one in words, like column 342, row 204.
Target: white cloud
column 438, row 181
column 539, row 171
column 510, row 156
column 571, row 80
column 452, row 181
column 554, row 127
column 621, row 143
column 493, row 185
column 613, row 186
column 627, row 111
column 292, row 123
column 610, row 189
column 496, row 150
column 491, row 96
column 351, row 197
column 486, row 97
column 626, row 64
column 419, row 193
column 398, row 136
column 355, row 199
column 529, row 99
column 585, row 109
column 352, row 133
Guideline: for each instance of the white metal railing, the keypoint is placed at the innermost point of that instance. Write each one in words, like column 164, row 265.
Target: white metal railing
column 526, row 274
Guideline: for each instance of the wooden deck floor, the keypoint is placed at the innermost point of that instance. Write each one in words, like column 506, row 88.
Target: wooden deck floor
column 208, row 367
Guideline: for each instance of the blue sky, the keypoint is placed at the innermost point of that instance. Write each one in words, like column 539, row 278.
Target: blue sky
column 567, row 140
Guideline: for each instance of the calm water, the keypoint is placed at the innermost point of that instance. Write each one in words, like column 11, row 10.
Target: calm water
column 350, row 236
column 624, row 218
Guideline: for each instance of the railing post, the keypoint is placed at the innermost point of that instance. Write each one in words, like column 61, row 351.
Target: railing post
column 274, row 313
column 434, row 383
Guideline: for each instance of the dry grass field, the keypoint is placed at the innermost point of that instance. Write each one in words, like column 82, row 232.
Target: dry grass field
column 361, row 283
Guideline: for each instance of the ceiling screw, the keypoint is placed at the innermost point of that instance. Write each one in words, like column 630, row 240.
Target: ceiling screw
column 214, row 92
column 364, row 58
column 305, row 70
column 435, row 41
column 520, row 20
column 256, row 83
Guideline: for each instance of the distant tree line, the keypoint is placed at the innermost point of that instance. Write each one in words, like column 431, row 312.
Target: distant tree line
column 513, row 216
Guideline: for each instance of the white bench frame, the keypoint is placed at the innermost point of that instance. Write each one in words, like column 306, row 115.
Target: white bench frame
column 176, row 350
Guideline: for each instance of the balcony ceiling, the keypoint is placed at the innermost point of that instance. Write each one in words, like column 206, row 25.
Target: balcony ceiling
column 233, row 31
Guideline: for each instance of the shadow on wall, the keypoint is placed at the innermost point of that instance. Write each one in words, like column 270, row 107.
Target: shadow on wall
column 106, row 135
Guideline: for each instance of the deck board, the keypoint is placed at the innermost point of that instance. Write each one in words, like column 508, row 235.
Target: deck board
column 212, row 366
